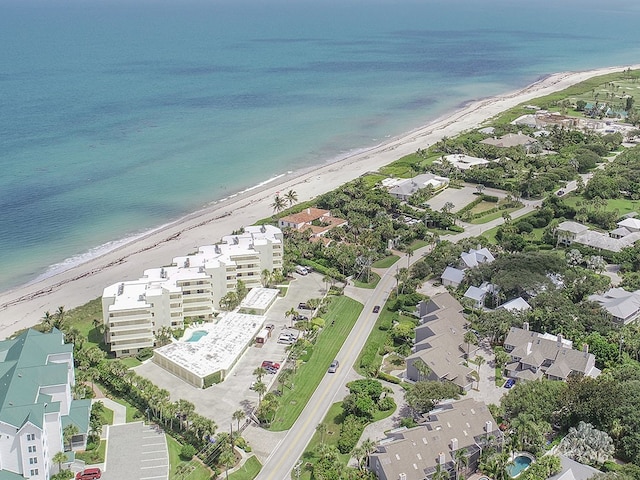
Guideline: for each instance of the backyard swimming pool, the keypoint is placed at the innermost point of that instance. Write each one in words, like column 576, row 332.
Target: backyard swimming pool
column 519, row 464
column 197, row 335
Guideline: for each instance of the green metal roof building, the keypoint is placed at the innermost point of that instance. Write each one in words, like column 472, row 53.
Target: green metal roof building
column 36, row 403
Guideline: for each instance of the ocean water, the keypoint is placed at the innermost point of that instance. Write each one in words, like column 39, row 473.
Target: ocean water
column 119, row 116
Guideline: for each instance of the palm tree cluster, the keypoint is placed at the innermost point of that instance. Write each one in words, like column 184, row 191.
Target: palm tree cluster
column 179, row 416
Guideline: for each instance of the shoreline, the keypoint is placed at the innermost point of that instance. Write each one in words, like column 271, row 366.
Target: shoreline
column 24, row 306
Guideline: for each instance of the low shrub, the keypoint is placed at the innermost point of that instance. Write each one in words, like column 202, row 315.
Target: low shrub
column 389, row 378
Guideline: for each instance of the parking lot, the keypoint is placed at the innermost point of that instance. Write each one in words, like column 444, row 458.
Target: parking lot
column 136, row 451
column 220, row 401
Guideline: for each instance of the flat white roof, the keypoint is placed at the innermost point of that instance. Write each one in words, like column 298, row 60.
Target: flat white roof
column 226, row 339
column 259, row 298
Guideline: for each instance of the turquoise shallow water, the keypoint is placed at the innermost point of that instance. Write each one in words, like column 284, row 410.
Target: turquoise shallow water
column 119, row 116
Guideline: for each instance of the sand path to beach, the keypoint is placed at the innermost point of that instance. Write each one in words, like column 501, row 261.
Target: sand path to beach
column 24, row 306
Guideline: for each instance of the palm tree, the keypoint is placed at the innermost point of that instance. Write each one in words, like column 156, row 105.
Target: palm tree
column 227, row 458
column 259, row 372
column 440, row 473
column 238, row 415
column 470, row 339
column 293, row 313
column 279, row 204
column 460, row 460
column 321, row 428
column 358, row 453
column 67, row 435
column 291, row 196
column 59, row 458
column 260, row 388
column 368, row 446
column 423, row 369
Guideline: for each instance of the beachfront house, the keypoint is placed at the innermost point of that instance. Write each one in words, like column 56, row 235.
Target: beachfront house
column 36, row 404
column 440, row 345
column 418, row 453
column 192, row 286
column 402, row 189
column 511, row 140
column 543, row 355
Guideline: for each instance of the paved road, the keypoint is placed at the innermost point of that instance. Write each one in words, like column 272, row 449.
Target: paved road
column 285, row 455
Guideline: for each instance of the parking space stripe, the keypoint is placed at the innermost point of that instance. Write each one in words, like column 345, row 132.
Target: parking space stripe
column 155, row 466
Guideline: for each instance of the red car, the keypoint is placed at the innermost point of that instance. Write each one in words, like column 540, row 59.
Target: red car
column 89, row 474
column 268, row 363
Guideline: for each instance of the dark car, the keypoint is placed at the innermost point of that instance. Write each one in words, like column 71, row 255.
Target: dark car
column 376, row 309
column 303, row 306
column 300, row 318
column 509, row 383
column 89, row 474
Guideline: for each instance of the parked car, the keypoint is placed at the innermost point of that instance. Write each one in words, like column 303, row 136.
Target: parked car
column 269, row 363
column 287, row 338
column 303, row 306
column 560, row 193
column 509, row 383
column 334, row 366
column 300, row 318
column 89, row 474
column 301, row 270
column 376, row 309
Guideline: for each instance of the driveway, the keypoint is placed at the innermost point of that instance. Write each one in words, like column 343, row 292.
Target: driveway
column 136, row 451
column 487, row 391
column 458, row 196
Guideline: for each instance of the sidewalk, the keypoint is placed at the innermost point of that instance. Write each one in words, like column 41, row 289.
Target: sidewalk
column 119, row 411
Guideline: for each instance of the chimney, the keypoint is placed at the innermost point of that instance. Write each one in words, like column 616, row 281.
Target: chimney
column 525, row 326
column 442, row 459
column 454, row 444
column 308, row 211
column 560, row 340
column 488, row 426
column 402, row 476
column 585, row 347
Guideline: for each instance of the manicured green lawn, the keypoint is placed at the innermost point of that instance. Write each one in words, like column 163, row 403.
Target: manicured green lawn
column 82, row 318
column 131, row 362
column 344, row 312
column 199, row 471
column 133, row 414
column 482, row 207
column 107, row 416
column 374, row 278
column 248, row 471
column 493, row 216
column 385, row 262
column 622, row 205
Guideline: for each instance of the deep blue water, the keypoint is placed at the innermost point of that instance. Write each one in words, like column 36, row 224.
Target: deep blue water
column 118, row 116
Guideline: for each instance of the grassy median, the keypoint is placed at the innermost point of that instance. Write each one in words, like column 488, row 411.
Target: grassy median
column 341, row 316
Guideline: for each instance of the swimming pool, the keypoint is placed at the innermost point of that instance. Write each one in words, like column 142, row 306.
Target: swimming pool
column 197, row 335
column 518, row 465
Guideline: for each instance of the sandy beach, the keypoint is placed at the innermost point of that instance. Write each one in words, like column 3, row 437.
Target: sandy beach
column 24, row 306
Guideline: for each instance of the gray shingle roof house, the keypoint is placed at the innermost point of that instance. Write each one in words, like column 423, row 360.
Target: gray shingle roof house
column 536, row 355
column 516, row 304
column 415, row 453
column 572, row 470
column 440, row 343
column 452, row 277
column 622, row 237
column 623, row 306
column 510, row 140
column 36, row 378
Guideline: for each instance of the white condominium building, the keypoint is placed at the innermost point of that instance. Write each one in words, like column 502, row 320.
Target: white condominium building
column 133, row 311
